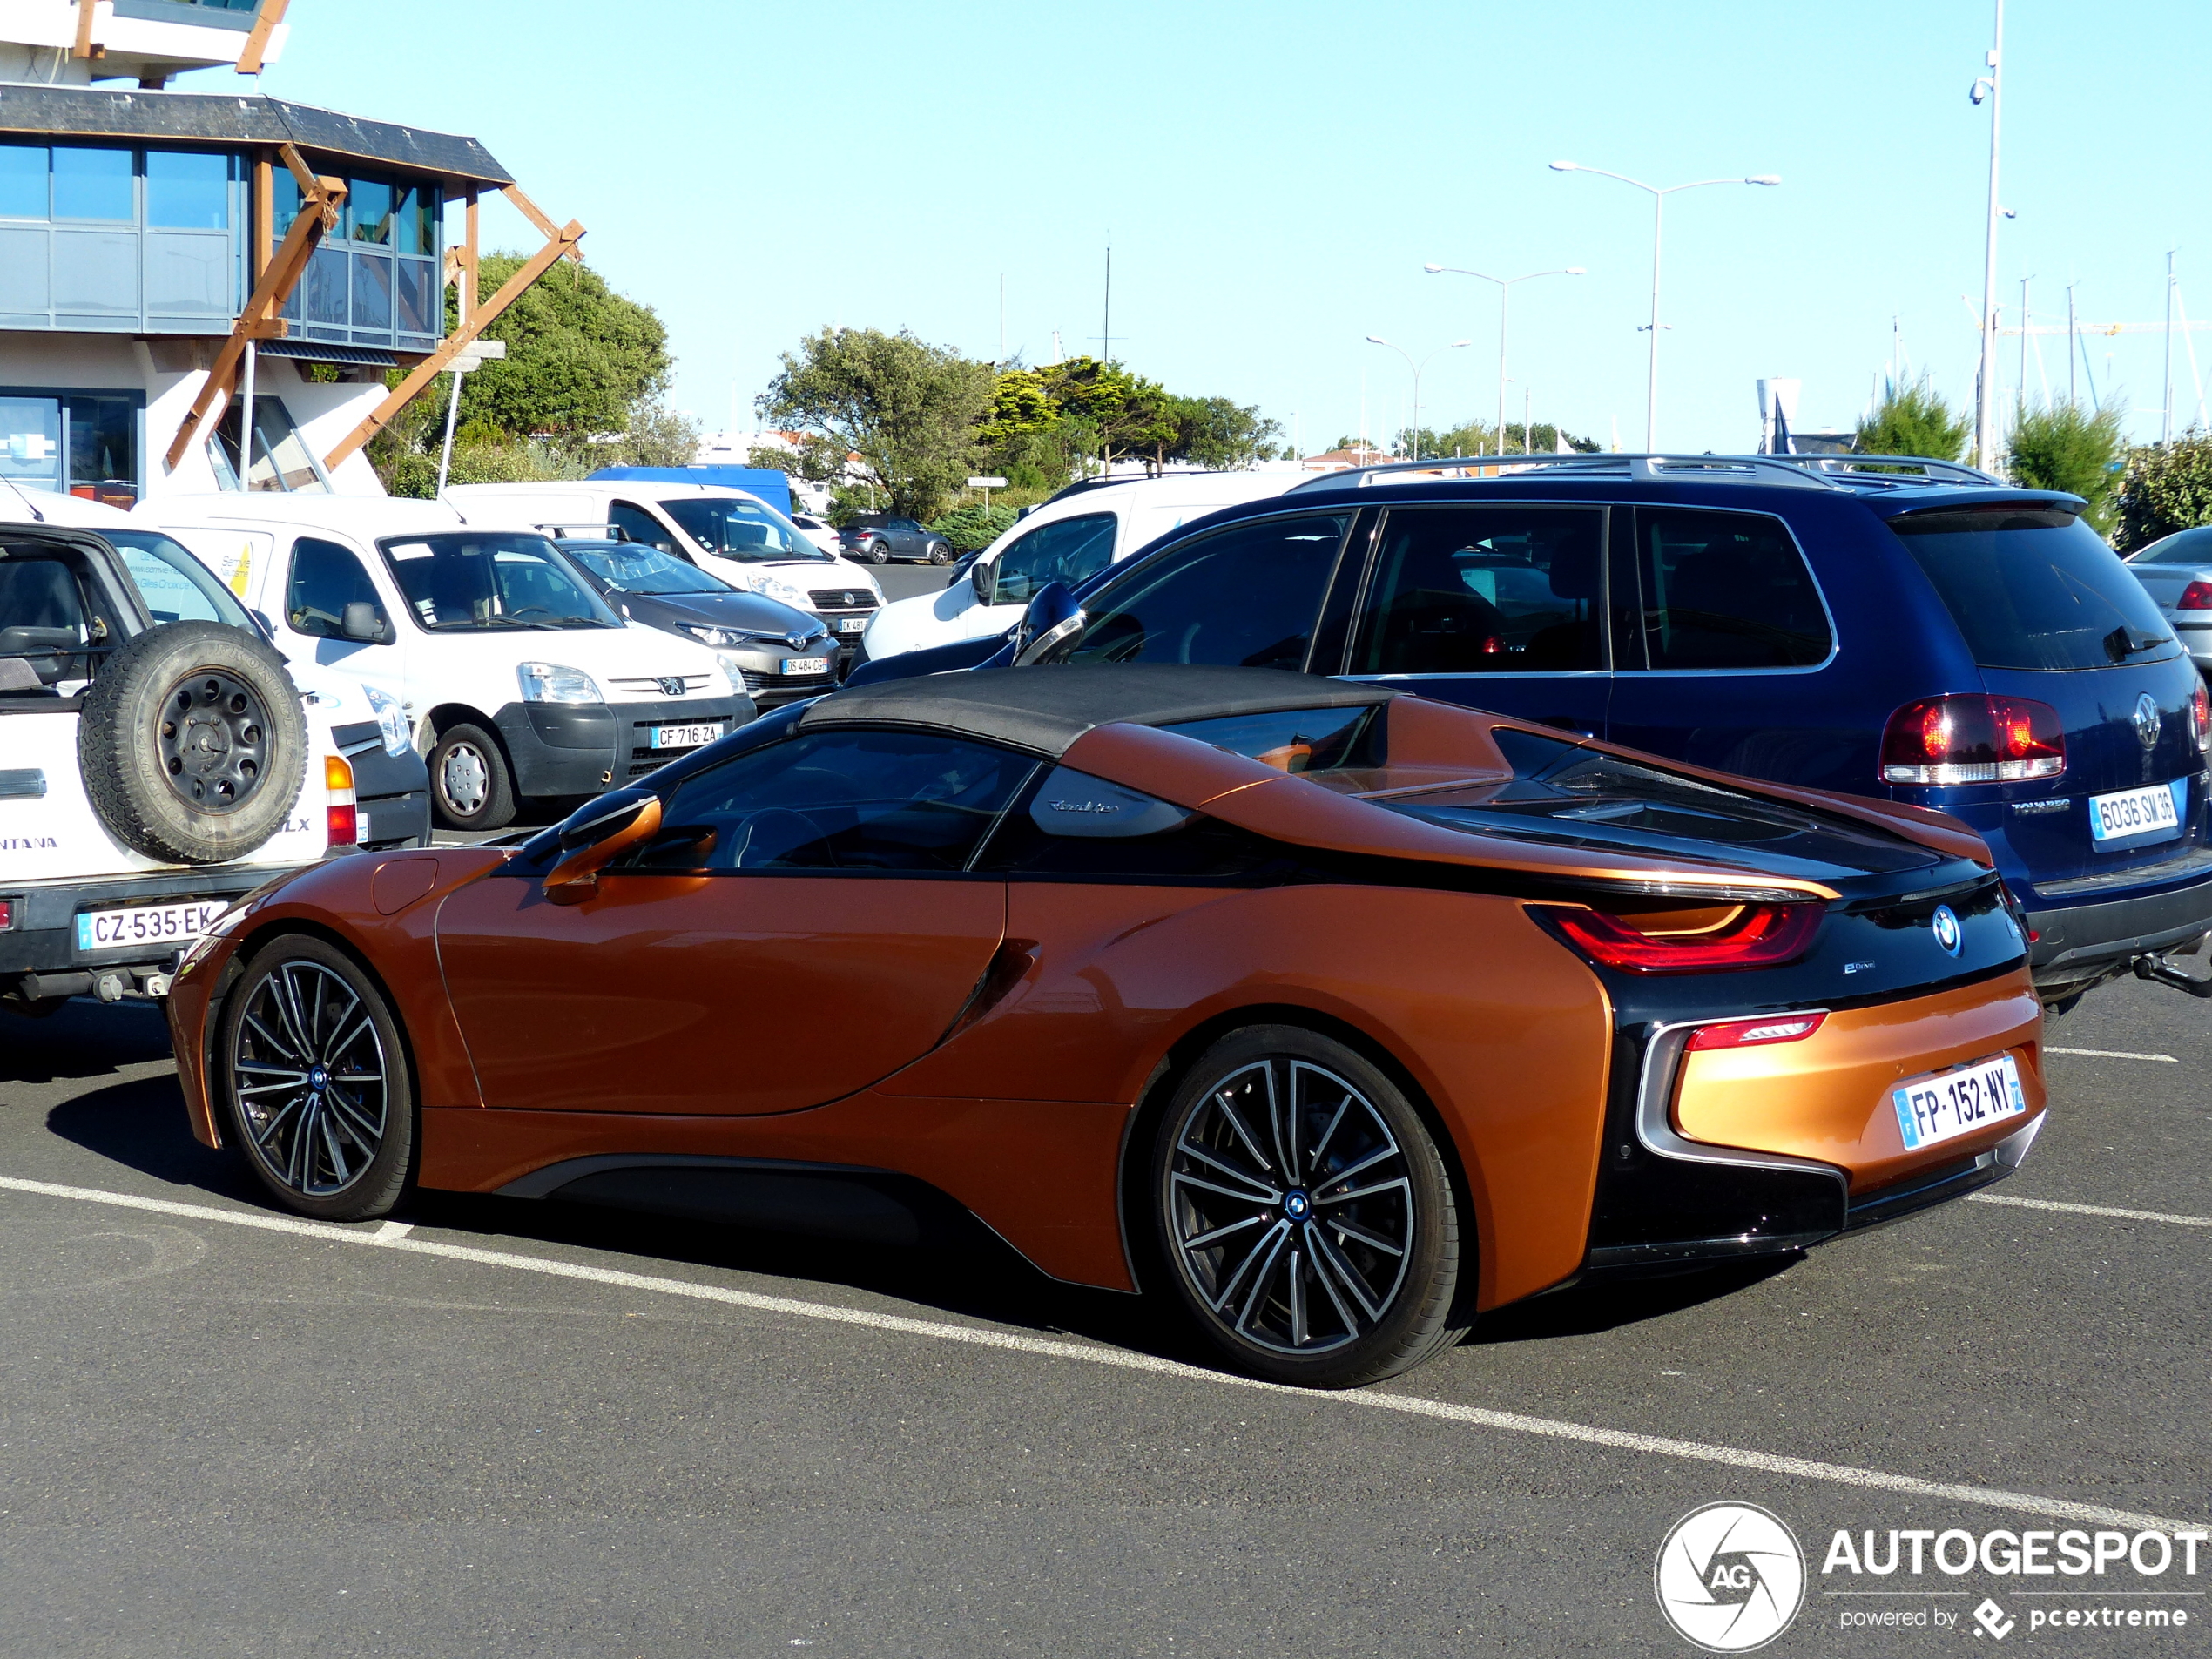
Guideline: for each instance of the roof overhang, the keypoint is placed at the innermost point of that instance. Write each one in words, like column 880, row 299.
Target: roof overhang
column 327, row 138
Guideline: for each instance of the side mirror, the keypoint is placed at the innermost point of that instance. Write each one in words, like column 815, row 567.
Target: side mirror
column 594, row 836
column 1052, row 621
column 979, row 578
column 364, row 622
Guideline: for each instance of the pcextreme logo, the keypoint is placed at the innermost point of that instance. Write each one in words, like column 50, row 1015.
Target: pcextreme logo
column 1730, row 1577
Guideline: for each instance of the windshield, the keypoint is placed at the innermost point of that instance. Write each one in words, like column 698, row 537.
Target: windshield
column 2185, row 547
column 468, row 582
column 176, row 586
column 741, row 529
column 2034, row 587
column 632, row 567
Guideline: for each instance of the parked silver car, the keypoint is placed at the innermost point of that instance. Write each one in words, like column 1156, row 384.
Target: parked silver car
column 2176, row 572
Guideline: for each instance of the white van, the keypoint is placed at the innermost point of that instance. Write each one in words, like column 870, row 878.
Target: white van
column 1077, row 534
column 515, row 679
column 738, row 536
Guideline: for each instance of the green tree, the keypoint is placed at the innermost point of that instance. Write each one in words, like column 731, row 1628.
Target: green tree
column 907, row 410
column 581, row 359
column 1913, row 419
column 970, row 528
column 2066, row 448
column 2166, row 487
column 1219, row 434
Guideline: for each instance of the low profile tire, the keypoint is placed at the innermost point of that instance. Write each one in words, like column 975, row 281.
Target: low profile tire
column 880, row 553
column 1304, row 1215
column 312, row 1079
column 939, row 553
column 471, row 785
column 193, row 743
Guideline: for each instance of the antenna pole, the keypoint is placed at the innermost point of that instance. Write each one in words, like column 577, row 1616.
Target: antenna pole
column 1986, row 428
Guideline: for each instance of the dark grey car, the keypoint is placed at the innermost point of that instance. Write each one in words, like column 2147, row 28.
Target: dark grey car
column 2176, row 572
column 882, row 537
column 776, row 653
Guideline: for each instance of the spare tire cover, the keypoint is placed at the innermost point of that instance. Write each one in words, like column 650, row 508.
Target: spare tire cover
column 193, row 743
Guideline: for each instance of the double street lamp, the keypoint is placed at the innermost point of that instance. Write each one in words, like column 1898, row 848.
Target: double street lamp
column 1504, row 301
column 1377, row 339
column 1659, row 195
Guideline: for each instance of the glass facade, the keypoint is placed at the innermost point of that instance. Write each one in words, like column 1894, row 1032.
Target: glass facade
column 375, row 280
column 109, row 238
column 85, row 444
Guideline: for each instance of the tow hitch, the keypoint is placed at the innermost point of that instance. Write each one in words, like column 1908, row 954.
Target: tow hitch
column 2160, row 971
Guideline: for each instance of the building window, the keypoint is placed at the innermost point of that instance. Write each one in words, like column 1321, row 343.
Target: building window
column 187, row 190
column 375, row 280
column 84, row 443
column 93, row 184
column 281, row 458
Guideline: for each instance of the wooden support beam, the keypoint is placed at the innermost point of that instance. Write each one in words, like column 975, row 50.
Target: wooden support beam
column 272, row 14
column 536, row 215
column 562, row 243
column 318, row 213
column 264, row 213
column 468, row 242
column 85, row 48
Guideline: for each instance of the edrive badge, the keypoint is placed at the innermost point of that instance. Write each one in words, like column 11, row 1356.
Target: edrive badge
column 1730, row 1577
column 1948, row 933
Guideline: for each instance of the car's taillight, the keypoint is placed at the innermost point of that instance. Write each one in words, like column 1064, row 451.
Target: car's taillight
column 2201, row 718
column 7, row 915
column 2195, row 597
column 1971, row 738
column 1755, row 1034
column 338, row 784
column 1753, row 936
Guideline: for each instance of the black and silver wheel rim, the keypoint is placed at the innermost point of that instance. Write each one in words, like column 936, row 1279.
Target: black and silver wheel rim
column 464, row 778
column 1290, row 1207
column 307, row 1067
column 213, row 740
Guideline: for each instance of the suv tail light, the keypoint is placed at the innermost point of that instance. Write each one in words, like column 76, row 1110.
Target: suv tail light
column 7, row 915
column 338, row 783
column 2195, row 597
column 2201, row 718
column 1973, row 738
column 1752, row 936
column 1757, row 1034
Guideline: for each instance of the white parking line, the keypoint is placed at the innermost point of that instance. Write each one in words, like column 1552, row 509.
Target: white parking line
column 2115, row 1054
column 2090, row 1209
column 1121, row 1358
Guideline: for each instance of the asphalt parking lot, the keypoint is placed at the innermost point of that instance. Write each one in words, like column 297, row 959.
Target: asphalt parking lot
column 534, row 1430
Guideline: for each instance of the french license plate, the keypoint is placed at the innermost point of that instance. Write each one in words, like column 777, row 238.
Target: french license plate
column 686, row 737
column 806, row 664
column 852, row 624
column 147, row 924
column 2137, row 812
column 1957, row 1103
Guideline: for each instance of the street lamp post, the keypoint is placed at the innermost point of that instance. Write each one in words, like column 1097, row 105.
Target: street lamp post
column 1659, row 195
column 1505, row 301
column 1991, row 86
column 1377, row 339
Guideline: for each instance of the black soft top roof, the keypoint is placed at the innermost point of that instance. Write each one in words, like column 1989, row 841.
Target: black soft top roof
column 1045, row 710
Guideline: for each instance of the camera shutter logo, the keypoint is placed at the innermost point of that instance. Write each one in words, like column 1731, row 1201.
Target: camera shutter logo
column 1730, row 1577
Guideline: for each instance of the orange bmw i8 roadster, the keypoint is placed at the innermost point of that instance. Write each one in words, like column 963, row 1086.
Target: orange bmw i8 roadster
column 1336, row 1015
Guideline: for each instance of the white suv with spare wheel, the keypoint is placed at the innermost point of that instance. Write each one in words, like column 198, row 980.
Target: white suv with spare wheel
column 517, row 679
column 151, row 772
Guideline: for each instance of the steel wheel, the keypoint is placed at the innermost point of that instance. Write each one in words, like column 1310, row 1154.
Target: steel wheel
column 465, row 779
column 315, row 1083
column 1305, row 1212
column 471, row 788
column 214, row 739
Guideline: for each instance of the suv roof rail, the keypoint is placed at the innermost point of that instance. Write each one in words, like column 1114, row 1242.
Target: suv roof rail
column 1890, row 470
column 1770, row 469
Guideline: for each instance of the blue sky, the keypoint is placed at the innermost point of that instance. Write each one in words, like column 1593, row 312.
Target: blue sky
column 1275, row 176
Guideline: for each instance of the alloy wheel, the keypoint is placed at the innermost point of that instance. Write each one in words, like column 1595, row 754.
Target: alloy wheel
column 1290, row 1207
column 309, row 1069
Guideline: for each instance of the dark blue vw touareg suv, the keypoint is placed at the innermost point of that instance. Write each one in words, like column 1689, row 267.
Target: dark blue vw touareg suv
column 1872, row 625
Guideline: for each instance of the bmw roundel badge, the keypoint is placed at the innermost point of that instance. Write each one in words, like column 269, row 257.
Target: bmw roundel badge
column 1947, row 930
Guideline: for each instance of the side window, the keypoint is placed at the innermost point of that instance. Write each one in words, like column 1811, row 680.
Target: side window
column 641, row 526
column 1075, row 827
column 1714, row 590
column 854, row 801
column 1486, row 590
column 326, row 578
column 1072, row 550
column 1245, row 596
column 169, row 596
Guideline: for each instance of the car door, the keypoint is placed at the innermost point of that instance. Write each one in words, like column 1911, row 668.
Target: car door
column 1496, row 605
column 1068, row 550
column 321, row 577
column 1722, row 642
column 1248, row 595
column 804, row 925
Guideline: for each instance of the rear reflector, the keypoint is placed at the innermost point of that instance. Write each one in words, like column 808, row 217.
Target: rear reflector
column 2195, row 597
column 338, row 785
column 1757, row 936
column 1755, row 1034
column 1972, row 739
column 7, row 915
